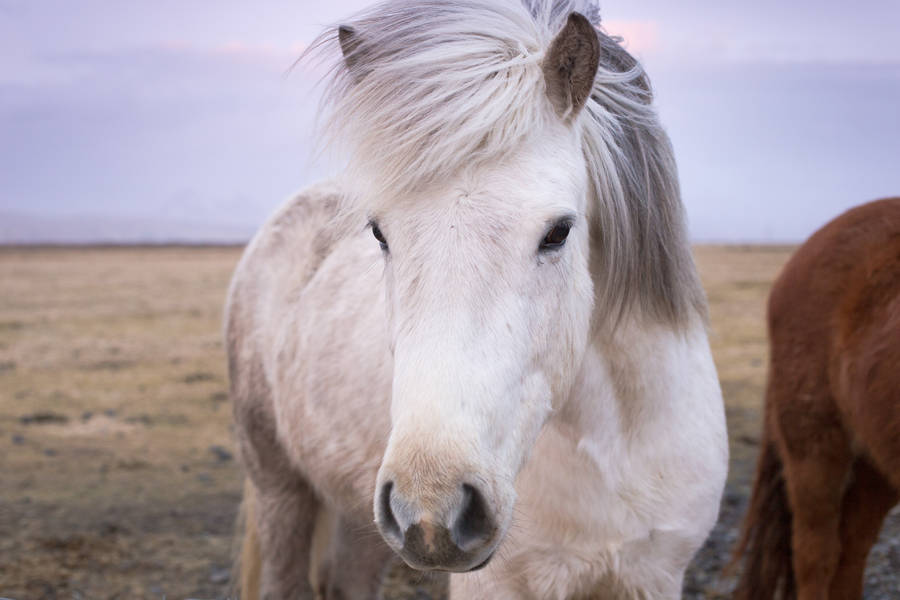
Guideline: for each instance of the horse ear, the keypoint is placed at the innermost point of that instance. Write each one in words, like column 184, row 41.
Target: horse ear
column 571, row 65
column 349, row 40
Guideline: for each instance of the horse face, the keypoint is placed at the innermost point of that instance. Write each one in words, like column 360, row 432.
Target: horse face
column 489, row 297
column 489, row 292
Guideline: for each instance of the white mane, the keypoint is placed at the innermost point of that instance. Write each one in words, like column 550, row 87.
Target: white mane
column 432, row 86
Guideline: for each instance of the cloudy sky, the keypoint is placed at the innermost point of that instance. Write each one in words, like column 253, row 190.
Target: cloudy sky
column 782, row 113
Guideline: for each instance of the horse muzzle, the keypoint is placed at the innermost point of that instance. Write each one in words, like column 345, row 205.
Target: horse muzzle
column 461, row 539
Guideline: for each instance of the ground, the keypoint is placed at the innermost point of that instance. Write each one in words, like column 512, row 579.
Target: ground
column 116, row 457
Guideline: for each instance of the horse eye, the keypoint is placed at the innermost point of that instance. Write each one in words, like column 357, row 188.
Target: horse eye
column 556, row 237
column 379, row 236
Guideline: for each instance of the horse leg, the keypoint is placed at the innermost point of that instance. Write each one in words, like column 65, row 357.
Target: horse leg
column 816, row 473
column 284, row 509
column 876, row 488
column 866, row 503
column 354, row 561
column 285, row 518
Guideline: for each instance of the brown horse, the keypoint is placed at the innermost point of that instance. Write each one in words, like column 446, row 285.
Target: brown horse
column 829, row 470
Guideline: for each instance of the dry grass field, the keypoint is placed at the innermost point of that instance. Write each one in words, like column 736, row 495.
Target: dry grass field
column 116, row 472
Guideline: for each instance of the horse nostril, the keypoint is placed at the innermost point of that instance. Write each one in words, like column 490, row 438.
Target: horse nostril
column 386, row 518
column 474, row 526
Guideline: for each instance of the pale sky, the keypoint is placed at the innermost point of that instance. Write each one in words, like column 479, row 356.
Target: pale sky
column 782, row 114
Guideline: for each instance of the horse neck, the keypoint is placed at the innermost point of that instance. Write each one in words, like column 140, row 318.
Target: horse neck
column 638, row 380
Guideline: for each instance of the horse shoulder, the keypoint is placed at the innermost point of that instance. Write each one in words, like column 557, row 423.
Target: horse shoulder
column 628, row 476
column 274, row 269
column 305, row 325
column 867, row 334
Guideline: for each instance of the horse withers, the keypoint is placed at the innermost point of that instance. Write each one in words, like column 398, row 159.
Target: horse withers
column 483, row 347
column 829, row 468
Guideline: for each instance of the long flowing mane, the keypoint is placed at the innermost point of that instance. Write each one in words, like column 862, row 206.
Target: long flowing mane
column 430, row 87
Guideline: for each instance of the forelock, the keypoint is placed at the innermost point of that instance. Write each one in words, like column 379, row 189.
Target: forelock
column 433, row 87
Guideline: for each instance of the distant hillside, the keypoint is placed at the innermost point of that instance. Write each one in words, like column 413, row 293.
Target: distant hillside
column 22, row 228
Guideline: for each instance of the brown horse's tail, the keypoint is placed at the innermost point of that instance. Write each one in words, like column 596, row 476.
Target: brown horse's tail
column 245, row 574
column 765, row 543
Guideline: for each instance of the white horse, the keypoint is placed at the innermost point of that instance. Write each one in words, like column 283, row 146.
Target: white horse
column 515, row 371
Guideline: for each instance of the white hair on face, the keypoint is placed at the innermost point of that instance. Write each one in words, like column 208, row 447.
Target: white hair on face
column 430, row 87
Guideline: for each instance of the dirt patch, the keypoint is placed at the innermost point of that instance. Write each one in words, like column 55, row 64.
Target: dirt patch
column 109, row 365
column 43, row 418
column 6, row 326
column 199, row 378
column 147, row 420
column 99, row 426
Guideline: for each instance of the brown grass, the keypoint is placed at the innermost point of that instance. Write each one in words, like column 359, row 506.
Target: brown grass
column 125, row 498
column 120, row 495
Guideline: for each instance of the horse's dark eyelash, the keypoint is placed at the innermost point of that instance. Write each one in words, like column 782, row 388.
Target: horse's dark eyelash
column 378, row 234
column 568, row 222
